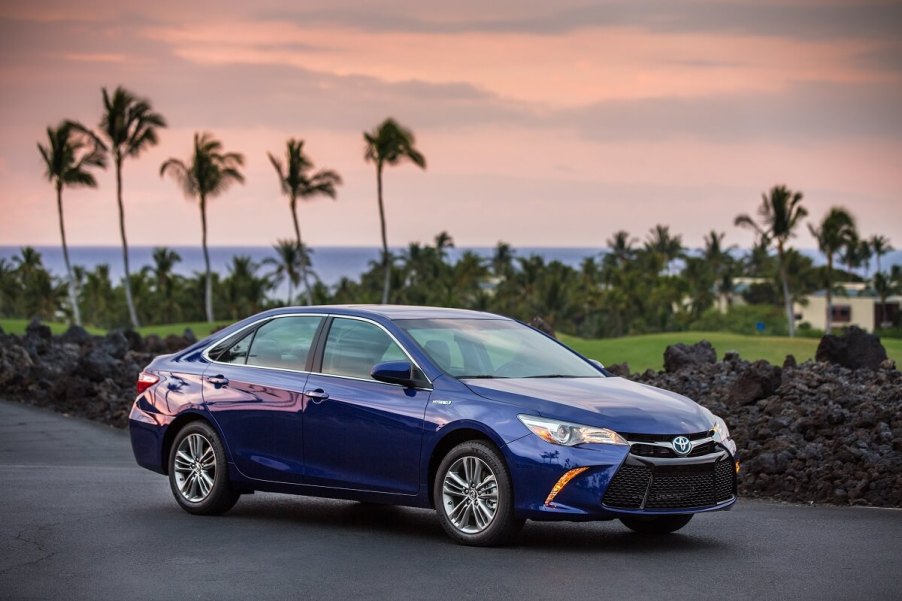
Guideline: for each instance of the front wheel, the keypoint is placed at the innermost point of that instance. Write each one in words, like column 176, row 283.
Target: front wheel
column 664, row 524
column 474, row 496
column 198, row 474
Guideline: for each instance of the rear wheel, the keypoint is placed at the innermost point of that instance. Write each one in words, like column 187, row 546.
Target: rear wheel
column 198, row 475
column 664, row 524
column 474, row 496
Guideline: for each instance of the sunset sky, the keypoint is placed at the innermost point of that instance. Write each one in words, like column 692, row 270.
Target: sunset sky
column 544, row 123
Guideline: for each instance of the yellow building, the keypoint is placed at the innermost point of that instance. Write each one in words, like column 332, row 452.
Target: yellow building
column 854, row 304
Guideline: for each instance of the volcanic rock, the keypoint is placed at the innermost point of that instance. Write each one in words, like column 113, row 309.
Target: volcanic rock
column 755, row 382
column 681, row 356
column 855, row 349
column 76, row 335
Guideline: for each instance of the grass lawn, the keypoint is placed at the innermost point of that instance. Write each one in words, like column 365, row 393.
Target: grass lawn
column 647, row 351
column 17, row 326
column 201, row 329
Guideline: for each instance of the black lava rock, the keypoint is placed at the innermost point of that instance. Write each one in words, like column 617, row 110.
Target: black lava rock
column 681, row 356
column 855, row 349
column 37, row 330
column 758, row 381
column 116, row 344
column 76, row 335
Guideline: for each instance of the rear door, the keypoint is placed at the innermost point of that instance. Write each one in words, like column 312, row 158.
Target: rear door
column 360, row 433
column 254, row 390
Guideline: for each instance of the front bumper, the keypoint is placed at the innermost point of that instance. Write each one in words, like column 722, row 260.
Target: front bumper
column 616, row 483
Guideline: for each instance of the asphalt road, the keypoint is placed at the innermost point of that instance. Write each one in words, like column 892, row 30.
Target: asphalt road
column 81, row 521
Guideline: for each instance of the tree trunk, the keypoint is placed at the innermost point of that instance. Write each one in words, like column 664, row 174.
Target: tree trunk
column 386, row 262
column 132, row 314
column 208, row 292
column 73, row 286
column 297, row 233
column 787, row 297
column 829, row 293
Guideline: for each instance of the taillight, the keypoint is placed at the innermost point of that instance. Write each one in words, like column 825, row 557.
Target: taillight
column 146, row 380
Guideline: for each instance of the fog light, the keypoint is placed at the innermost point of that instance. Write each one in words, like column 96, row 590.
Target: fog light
column 737, row 467
column 563, row 482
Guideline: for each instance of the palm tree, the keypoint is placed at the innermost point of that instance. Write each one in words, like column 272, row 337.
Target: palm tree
column 67, row 157
column 503, row 260
column 208, row 173
column 721, row 262
column 621, row 245
column 164, row 261
column 661, row 242
column 780, row 214
column 10, row 290
column 389, row 144
column 835, row 231
column 297, row 181
column 884, row 285
column 880, row 245
column 291, row 260
column 128, row 127
column 245, row 292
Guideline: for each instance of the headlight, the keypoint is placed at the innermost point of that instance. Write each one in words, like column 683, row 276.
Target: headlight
column 721, row 432
column 567, row 434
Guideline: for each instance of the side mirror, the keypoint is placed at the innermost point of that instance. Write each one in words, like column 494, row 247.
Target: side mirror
column 394, row 372
column 597, row 363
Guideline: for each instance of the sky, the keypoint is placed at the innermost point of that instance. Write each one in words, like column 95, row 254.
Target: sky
column 544, row 123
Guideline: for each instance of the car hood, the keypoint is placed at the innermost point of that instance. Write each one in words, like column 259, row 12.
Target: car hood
column 610, row 402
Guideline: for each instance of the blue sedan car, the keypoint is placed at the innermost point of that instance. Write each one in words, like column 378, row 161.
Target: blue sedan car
column 481, row 417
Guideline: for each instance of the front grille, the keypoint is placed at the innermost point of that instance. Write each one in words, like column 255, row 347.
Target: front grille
column 665, row 437
column 652, row 450
column 671, row 486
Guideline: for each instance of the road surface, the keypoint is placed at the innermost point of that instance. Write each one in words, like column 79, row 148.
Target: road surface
column 81, row 521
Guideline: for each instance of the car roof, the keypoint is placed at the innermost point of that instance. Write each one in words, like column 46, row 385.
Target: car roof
column 391, row 312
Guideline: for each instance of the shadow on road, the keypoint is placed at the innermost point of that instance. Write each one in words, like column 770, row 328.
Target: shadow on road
column 326, row 517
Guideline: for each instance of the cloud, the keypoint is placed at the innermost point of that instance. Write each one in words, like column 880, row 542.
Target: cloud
column 95, row 57
column 803, row 113
column 802, row 19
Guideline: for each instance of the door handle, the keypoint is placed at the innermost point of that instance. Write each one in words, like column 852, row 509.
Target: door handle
column 317, row 394
column 218, row 380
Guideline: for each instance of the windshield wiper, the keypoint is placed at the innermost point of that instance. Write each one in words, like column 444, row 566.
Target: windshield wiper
column 479, row 377
column 553, row 376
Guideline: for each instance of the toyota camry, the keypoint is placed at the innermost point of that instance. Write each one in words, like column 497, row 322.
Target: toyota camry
column 483, row 418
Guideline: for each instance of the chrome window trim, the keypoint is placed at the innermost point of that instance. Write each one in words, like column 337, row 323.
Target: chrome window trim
column 390, row 335
column 205, row 354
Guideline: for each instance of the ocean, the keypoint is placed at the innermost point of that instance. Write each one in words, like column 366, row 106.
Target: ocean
column 330, row 263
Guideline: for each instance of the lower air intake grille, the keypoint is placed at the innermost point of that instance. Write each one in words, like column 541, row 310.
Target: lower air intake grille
column 671, row 487
column 724, row 480
column 628, row 487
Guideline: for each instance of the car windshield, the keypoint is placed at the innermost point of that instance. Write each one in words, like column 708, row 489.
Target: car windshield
column 494, row 348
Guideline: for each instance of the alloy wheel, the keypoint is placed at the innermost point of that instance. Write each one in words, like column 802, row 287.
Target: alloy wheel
column 195, row 467
column 470, row 494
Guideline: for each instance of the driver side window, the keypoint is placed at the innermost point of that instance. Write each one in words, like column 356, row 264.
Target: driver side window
column 353, row 347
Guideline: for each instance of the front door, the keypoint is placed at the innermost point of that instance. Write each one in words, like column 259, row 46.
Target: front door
column 254, row 390
column 360, row 433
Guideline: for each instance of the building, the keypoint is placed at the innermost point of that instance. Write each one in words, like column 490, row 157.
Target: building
column 854, row 304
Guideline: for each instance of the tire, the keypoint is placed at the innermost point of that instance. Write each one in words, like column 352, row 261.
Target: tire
column 664, row 524
column 200, row 487
column 474, row 496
